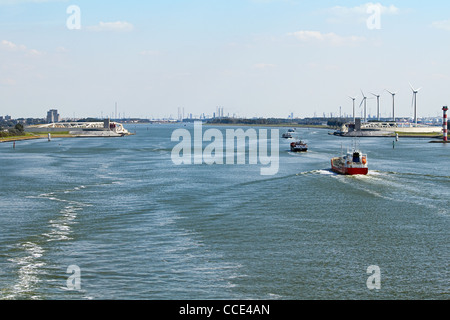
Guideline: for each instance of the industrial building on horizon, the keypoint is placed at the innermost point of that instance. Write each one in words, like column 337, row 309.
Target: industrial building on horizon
column 52, row 116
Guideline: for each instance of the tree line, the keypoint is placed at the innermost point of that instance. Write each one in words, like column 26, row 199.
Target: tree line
column 17, row 130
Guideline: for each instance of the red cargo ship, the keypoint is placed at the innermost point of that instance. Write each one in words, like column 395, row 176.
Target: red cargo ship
column 354, row 163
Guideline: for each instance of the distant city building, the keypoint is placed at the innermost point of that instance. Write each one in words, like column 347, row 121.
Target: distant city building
column 7, row 118
column 52, row 116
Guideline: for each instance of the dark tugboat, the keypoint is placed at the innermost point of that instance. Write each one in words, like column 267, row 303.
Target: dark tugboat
column 299, row 146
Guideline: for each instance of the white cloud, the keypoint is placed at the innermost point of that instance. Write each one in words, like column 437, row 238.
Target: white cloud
column 362, row 9
column 340, row 14
column 62, row 50
column 444, row 25
column 327, row 38
column 118, row 26
column 12, row 47
column 34, row 52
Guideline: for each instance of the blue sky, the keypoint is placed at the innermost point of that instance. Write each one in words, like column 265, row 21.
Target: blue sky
column 252, row 57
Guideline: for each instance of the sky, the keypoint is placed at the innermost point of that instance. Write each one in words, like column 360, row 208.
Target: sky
column 254, row 58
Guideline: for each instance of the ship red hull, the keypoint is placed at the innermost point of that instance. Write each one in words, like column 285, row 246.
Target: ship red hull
column 349, row 171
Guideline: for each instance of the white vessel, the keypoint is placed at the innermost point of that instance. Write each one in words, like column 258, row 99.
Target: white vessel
column 106, row 128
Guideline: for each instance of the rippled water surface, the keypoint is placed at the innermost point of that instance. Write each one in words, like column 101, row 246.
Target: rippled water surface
column 140, row 227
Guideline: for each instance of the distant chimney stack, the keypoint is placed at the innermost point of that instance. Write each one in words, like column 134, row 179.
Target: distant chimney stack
column 445, row 109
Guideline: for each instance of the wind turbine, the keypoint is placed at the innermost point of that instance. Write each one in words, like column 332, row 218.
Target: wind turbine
column 414, row 101
column 393, row 104
column 364, row 100
column 378, row 105
column 354, row 115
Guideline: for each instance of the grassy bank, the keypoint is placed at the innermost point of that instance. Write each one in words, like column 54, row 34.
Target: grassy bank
column 27, row 136
column 63, row 134
column 419, row 135
column 35, row 135
column 52, row 133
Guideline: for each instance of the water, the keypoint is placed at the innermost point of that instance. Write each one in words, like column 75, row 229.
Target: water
column 140, row 227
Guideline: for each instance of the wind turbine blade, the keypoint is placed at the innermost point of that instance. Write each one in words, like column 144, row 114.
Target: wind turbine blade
column 418, row 89
column 388, row 91
column 362, row 102
column 363, row 94
column 412, row 87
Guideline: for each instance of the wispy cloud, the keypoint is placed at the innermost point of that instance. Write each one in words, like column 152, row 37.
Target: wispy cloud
column 326, row 38
column 12, row 47
column 118, row 26
column 359, row 13
column 8, row 45
column 443, row 24
column 362, row 9
column 62, row 50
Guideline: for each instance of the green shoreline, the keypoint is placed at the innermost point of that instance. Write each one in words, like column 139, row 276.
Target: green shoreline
column 34, row 137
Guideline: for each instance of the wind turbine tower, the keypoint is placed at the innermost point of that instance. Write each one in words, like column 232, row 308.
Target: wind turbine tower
column 378, row 105
column 393, row 104
column 414, row 101
column 364, row 100
column 354, row 115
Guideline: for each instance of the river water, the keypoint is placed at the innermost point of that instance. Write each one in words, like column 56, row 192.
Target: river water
column 140, row 227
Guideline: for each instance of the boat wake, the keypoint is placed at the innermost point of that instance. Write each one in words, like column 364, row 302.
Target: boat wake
column 265, row 180
column 327, row 172
column 28, row 255
column 411, row 174
column 396, row 187
column 30, row 268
